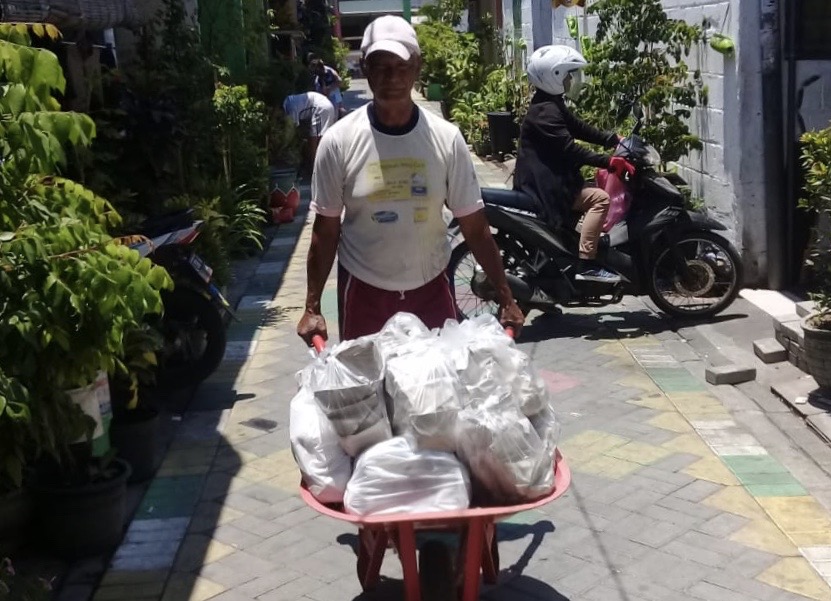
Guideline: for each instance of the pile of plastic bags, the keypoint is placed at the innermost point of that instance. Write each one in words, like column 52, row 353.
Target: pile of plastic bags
column 432, row 420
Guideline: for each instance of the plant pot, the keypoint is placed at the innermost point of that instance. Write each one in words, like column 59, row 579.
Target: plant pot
column 81, row 520
column 282, row 178
column 501, row 129
column 135, row 437
column 15, row 514
column 435, row 92
column 94, row 400
column 817, row 351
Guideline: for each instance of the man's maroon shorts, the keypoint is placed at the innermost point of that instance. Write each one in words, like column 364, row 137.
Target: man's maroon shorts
column 364, row 309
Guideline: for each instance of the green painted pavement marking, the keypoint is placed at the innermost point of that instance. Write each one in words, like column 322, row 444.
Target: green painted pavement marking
column 329, row 304
column 243, row 331
column 675, row 379
column 171, row 496
column 753, row 464
column 764, row 476
column 777, row 490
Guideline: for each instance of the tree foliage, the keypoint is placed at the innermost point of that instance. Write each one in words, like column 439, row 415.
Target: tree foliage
column 637, row 55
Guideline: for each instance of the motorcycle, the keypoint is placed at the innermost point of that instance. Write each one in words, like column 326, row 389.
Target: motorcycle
column 658, row 248
column 193, row 324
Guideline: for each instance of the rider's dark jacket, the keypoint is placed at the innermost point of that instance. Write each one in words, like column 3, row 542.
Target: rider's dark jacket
column 549, row 159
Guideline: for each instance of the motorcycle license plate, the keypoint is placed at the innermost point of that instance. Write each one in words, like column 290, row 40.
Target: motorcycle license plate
column 202, row 268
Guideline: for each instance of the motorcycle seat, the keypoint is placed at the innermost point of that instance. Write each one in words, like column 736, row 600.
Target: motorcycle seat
column 512, row 199
column 163, row 224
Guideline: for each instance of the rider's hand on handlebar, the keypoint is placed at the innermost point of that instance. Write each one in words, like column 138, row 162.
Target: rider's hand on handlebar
column 621, row 165
column 511, row 316
column 312, row 324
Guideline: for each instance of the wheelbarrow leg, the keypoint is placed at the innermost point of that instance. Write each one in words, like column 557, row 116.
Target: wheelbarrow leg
column 490, row 555
column 473, row 559
column 371, row 549
column 407, row 552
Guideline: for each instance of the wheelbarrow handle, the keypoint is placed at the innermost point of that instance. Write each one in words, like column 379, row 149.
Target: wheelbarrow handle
column 318, row 343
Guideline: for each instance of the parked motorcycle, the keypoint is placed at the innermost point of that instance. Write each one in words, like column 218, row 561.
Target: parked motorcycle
column 193, row 324
column 658, row 248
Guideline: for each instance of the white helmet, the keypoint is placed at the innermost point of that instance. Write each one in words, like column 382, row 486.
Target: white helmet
column 550, row 65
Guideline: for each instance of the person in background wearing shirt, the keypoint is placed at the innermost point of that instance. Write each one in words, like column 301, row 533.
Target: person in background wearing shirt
column 328, row 82
column 382, row 176
column 314, row 114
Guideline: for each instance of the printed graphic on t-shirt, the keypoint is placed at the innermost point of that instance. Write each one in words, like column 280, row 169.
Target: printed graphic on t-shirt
column 396, row 179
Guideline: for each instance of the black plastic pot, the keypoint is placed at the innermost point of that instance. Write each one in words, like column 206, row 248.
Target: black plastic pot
column 134, row 434
column 15, row 514
column 81, row 520
column 501, row 129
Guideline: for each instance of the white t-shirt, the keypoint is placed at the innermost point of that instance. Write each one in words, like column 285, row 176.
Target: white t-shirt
column 320, row 109
column 390, row 190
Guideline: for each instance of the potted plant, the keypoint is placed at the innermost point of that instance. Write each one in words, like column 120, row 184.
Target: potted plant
column 15, row 585
column 134, row 431
column 816, row 161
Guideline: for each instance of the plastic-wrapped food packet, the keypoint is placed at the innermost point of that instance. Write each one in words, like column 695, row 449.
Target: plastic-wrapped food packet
column 347, row 382
column 423, row 394
column 325, row 466
column 508, row 461
column 394, row 477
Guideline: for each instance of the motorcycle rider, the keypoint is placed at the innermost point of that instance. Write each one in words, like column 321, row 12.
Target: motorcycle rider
column 549, row 158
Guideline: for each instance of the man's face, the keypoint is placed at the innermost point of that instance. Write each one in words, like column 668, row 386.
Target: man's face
column 567, row 82
column 390, row 77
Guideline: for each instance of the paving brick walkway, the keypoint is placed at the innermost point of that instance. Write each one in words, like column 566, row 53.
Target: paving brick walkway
column 672, row 500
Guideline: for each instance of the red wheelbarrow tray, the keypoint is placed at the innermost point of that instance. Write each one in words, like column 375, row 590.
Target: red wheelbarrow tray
column 374, row 532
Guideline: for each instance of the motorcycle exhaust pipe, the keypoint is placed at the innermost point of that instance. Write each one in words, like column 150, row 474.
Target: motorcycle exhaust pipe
column 481, row 287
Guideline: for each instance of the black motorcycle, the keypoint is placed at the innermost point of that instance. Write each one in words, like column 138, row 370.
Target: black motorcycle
column 659, row 248
column 193, row 324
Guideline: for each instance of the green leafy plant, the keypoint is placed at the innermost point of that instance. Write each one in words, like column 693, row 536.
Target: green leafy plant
column 816, row 196
column 137, row 368
column 637, row 55
column 242, row 123
column 69, row 290
column 15, row 431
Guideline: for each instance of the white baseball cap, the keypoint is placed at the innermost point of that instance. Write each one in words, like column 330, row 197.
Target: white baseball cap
column 390, row 34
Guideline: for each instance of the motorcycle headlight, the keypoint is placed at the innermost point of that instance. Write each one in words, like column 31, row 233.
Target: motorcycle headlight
column 651, row 157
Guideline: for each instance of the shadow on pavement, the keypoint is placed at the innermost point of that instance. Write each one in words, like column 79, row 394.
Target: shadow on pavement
column 512, row 583
column 611, row 325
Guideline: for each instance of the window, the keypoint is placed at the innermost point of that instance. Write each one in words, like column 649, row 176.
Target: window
column 813, row 24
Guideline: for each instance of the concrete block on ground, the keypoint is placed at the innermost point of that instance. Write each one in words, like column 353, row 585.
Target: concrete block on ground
column 804, row 308
column 769, row 350
column 729, row 374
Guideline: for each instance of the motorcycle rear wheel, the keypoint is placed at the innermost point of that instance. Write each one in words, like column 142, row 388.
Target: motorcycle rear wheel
column 462, row 268
column 710, row 279
column 194, row 339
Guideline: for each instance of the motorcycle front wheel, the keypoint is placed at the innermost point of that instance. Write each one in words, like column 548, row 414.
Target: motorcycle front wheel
column 194, row 339
column 698, row 276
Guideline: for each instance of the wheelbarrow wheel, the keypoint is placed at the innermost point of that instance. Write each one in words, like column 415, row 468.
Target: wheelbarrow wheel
column 436, row 572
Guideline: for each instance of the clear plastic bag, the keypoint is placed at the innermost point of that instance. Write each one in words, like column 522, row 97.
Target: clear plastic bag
column 423, row 394
column 326, row 468
column 400, row 333
column 394, row 477
column 508, row 461
column 347, row 382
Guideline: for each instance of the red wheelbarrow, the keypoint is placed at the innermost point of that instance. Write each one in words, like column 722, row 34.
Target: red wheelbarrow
column 479, row 550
